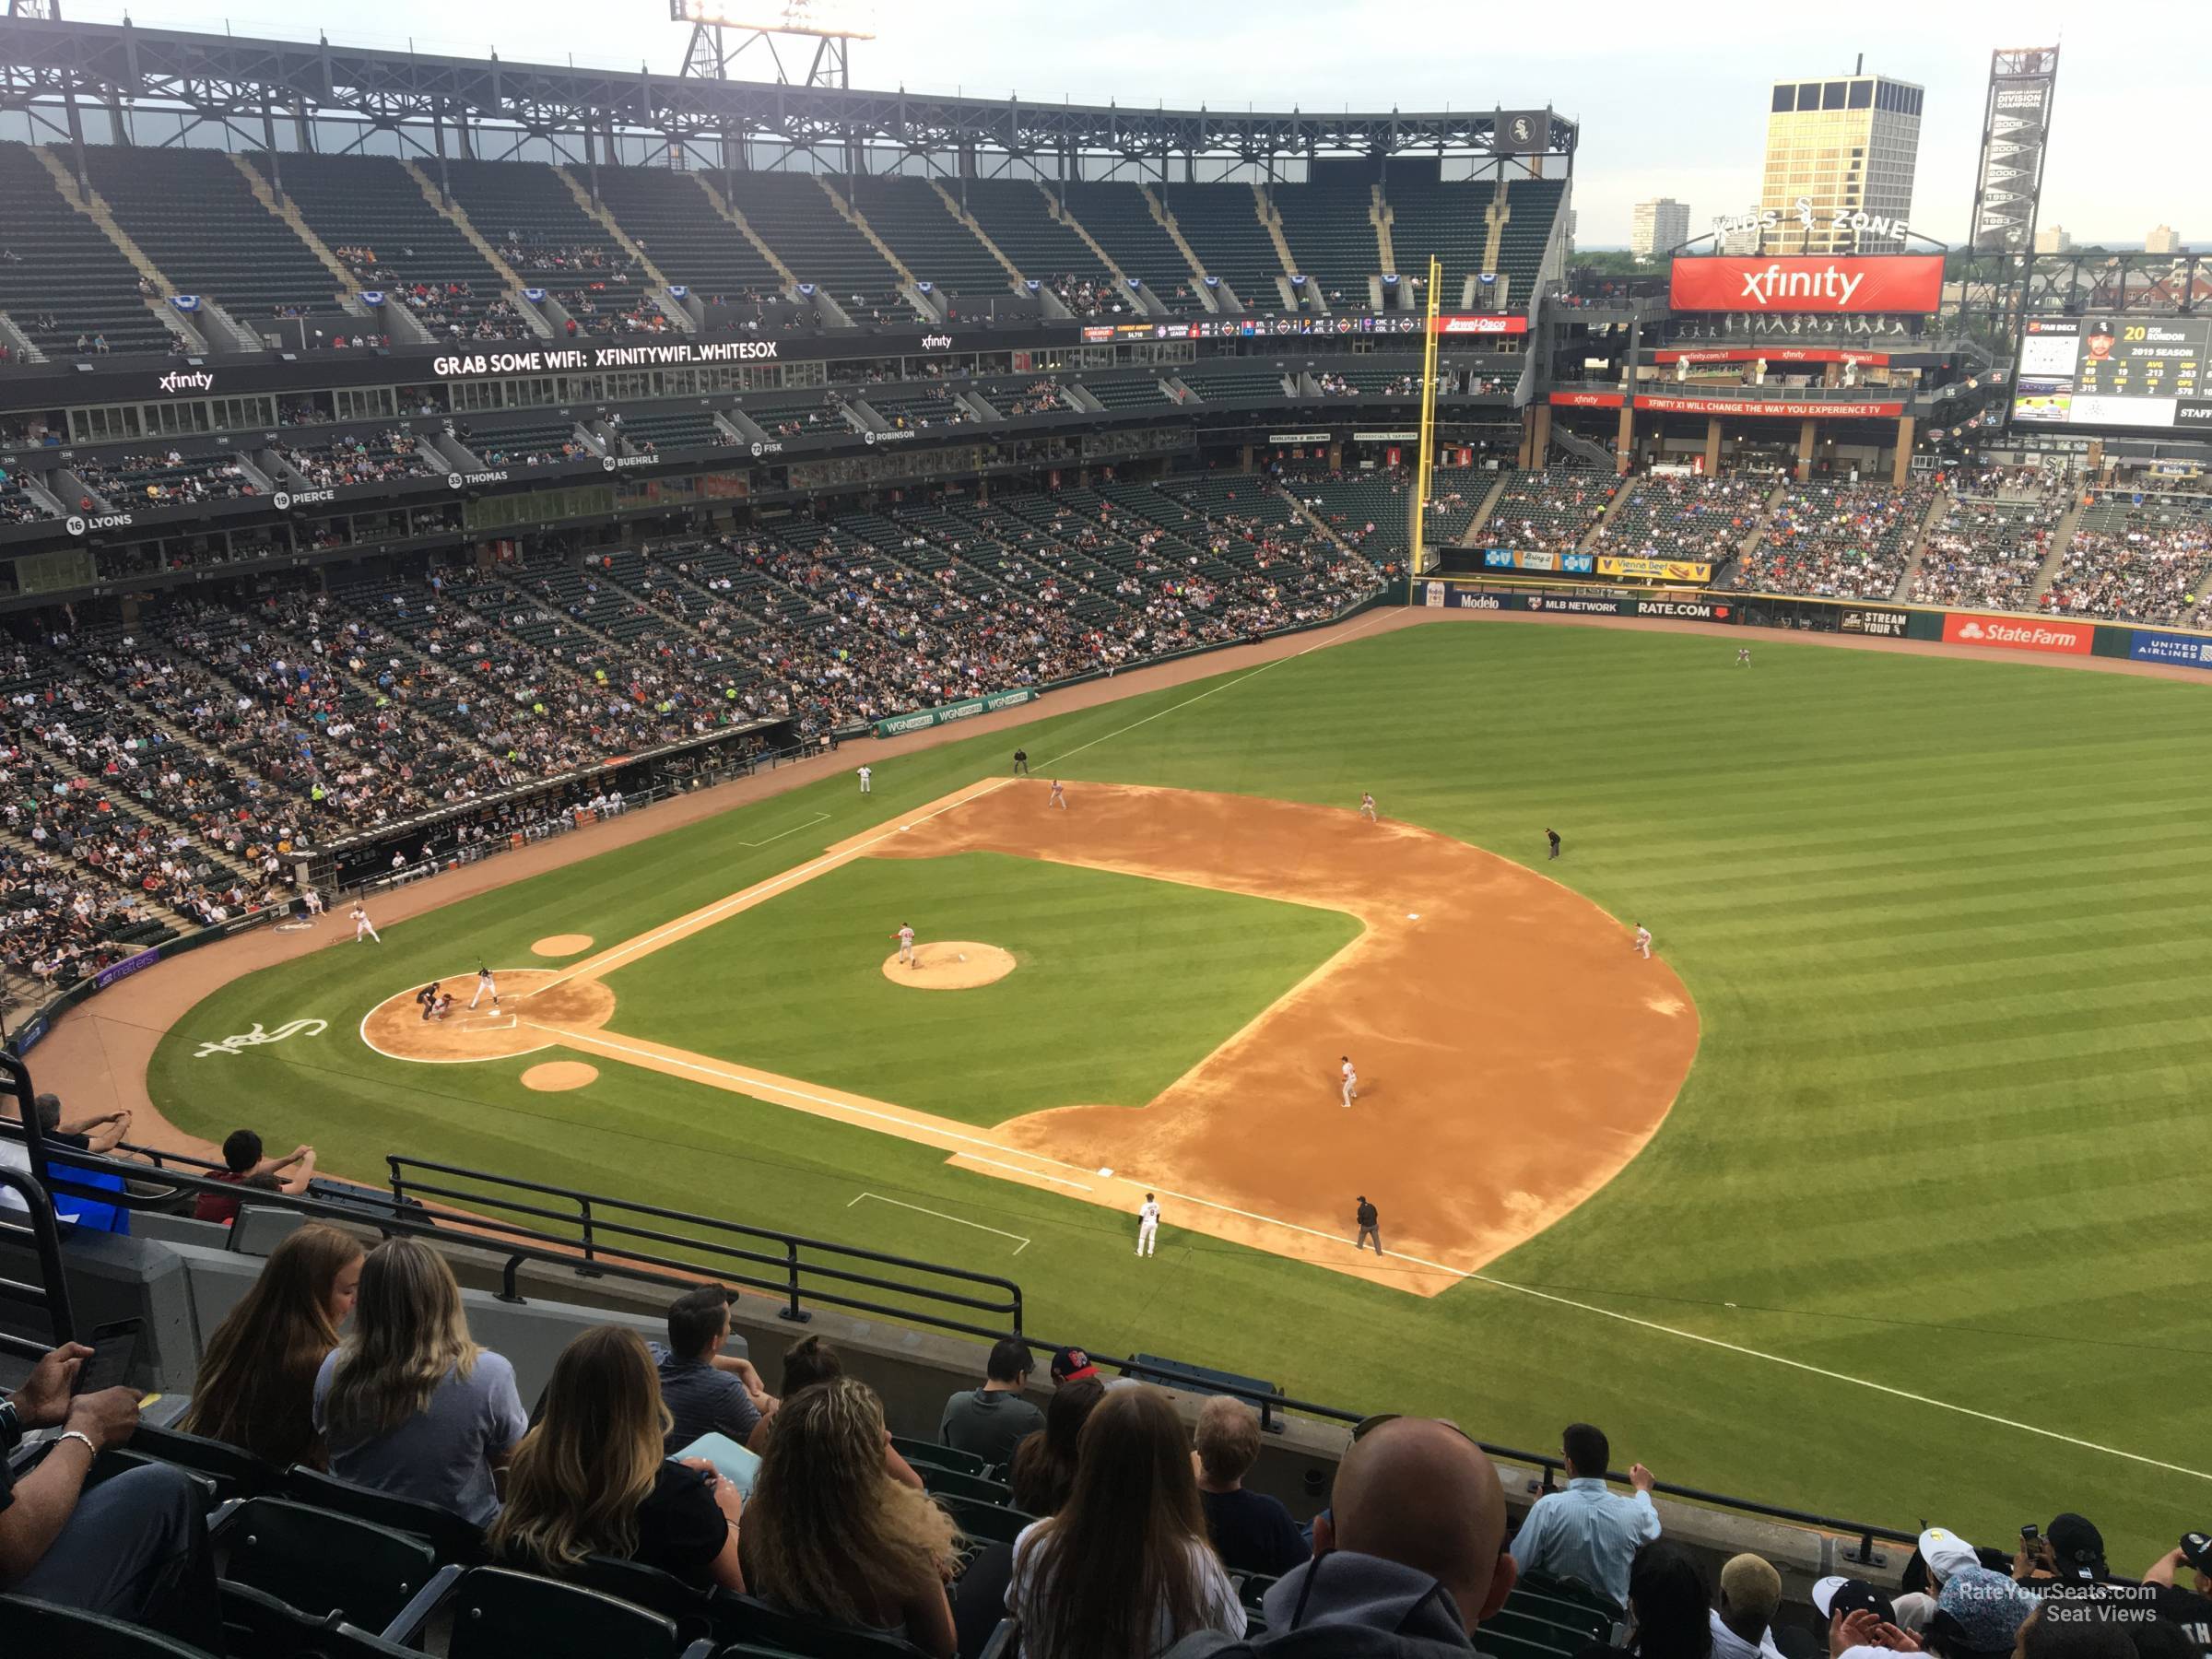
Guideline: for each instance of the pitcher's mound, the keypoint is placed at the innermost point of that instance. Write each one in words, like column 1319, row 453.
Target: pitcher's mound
column 562, row 945
column 950, row 965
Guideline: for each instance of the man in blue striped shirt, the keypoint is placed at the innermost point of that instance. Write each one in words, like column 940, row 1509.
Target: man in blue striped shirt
column 1586, row 1531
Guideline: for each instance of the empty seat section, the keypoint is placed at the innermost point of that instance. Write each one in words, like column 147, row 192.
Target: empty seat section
column 1120, row 219
column 1332, row 238
column 369, row 211
column 1128, row 392
column 1220, row 385
column 916, row 225
column 194, row 215
column 646, row 433
column 669, row 216
column 1532, row 205
column 60, row 276
column 1018, row 218
column 522, row 443
column 793, row 215
column 1221, row 222
column 527, row 212
column 1446, row 221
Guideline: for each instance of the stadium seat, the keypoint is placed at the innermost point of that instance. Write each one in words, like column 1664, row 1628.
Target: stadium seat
column 236, row 1474
column 919, row 1451
column 452, row 1539
column 1573, row 1591
column 267, row 1627
column 951, row 1483
column 492, row 1613
column 986, row 1522
column 321, row 1561
column 36, row 1626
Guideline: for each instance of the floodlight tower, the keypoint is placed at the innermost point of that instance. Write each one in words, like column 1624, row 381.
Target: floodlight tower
column 722, row 32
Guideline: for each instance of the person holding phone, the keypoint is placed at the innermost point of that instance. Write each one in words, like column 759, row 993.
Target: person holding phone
column 135, row 1547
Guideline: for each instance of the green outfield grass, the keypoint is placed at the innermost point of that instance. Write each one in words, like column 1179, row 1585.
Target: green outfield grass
column 1942, row 1140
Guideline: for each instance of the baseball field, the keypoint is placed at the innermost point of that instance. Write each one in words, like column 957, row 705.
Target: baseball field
column 1879, row 1190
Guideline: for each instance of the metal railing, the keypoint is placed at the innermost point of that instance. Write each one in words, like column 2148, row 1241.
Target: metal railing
column 605, row 1237
column 50, row 1295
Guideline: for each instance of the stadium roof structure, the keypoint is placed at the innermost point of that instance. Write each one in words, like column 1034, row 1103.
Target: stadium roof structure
column 50, row 69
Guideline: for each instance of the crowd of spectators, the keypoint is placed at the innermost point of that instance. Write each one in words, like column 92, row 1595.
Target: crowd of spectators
column 377, row 458
column 163, row 479
column 1092, row 296
column 2141, row 562
column 1838, row 540
column 1550, row 510
column 1991, row 541
column 1686, row 516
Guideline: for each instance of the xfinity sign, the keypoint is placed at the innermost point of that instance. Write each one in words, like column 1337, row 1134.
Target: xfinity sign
column 177, row 380
column 1907, row 282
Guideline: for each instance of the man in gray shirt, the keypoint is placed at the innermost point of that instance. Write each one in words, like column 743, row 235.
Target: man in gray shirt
column 991, row 1421
column 707, row 1391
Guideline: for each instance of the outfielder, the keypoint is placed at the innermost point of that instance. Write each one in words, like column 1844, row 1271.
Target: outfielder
column 905, row 935
column 867, row 777
column 486, row 985
column 1743, row 656
column 1351, row 1083
column 1643, row 942
column 1366, row 807
column 362, row 926
column 1059, row 796
column 1147, row 1225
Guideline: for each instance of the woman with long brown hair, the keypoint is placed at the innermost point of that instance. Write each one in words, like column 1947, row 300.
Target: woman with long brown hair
column 1123, row 1570
column 256, row 1385
column 1044, row 1463
column 831, row 1535
column 408, row 1404
column 590, row 1479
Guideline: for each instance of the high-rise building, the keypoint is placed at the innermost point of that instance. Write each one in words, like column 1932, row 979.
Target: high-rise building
column 2165, row 239
column 2053, row 239
column 1657, row 225
column 1841, row 153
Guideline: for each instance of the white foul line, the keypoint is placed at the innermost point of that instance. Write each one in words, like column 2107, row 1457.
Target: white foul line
column 780, row 834
column 941, row 1216
column 1732, row 1348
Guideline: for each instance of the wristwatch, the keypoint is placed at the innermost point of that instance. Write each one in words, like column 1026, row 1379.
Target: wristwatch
column 11, row 1427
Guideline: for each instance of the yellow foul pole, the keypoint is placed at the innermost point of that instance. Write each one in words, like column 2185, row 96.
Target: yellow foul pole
column 1427, row 453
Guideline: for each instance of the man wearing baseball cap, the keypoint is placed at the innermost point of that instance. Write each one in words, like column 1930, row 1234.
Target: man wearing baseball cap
column 1072, row 1365
column 1944, row 1552
column 2190, row 1606
column 1979, row 1612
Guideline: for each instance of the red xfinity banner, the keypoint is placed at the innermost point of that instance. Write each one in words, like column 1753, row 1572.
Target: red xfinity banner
column 1773, row 354
column 1668, row 403
column 1481, row 326
column 1587, row 400
column 2028, row 633
column 1903, row 282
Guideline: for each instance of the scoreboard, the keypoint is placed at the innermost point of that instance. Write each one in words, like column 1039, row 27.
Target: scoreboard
column 2117, row 371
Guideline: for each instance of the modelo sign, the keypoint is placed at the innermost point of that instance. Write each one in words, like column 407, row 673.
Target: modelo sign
column 1906, row 282
column 2026, row 634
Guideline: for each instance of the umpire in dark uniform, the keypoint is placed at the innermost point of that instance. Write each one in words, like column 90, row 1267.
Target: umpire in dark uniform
column 1021, row 763
column 1553, row 837
column 1370, row 1225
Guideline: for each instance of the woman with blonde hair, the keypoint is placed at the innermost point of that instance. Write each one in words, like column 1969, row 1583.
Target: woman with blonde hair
column 590, row 1479
column 256, row 1386
column 831, row 1535
column 407, row 1404
column 1123, row 1570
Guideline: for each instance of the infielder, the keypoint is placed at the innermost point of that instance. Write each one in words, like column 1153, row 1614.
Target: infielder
column 362, row 926
column 1351, row 1083
column 1059, row 796
column 1643, row 942
column 868, row 776
column 486, row 986
column 905, row 935
column 1147, row 1225
column 1366, row 807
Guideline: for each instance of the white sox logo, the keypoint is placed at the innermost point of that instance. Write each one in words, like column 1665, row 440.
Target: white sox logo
column 256, row 1037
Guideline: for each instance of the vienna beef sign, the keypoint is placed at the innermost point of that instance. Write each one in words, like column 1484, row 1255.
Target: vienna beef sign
column 1905, row 282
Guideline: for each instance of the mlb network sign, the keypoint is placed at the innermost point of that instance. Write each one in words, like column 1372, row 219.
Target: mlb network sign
column 2029, row 633
column 1907, row 282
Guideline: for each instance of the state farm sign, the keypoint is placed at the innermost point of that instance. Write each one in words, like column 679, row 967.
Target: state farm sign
column 1906, row 282
column 2029, row 633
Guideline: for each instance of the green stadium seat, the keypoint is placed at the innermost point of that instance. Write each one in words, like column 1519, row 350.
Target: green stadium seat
column 322, row 1562
column 455, row 1540
column 988, row 1522
column 951, row 1483
column 919, row 1451
column 491, row 1613
column 36, row 1626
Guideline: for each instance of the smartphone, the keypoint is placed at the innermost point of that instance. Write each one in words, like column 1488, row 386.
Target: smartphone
column 2029, row 1536
column 115, row 1352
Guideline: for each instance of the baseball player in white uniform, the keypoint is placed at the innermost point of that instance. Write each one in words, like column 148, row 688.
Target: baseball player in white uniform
column 905, row 935
column 486, row 986
column 1643, row 942
column 1351, row 1082
column 1366, row 807
column 1059, row 796
column 362, row 926
column 313, row 900
column 1147, row 1225
column 868, row 776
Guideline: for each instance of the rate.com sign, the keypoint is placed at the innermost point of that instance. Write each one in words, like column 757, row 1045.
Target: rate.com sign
column 2032, row 633
column 1906, row 282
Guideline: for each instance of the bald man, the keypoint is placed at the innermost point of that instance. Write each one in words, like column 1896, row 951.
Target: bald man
column 1411, row 1555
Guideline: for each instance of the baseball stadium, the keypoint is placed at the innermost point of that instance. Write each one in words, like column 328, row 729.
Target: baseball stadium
column 1137, row 782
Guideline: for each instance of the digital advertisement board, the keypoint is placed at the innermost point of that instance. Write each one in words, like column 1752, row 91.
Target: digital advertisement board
column 1899, row 283
column 2114, row 372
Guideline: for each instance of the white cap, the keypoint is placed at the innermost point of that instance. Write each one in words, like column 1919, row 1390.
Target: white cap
column 1945, row 1552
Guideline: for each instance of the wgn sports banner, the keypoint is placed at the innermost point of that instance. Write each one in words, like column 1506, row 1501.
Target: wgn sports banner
column 922, row 719
column 1656, row 570
column 1508, row 558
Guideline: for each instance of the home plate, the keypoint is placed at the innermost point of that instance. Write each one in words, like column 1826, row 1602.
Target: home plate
column 1413, row 915
column 506, row 1024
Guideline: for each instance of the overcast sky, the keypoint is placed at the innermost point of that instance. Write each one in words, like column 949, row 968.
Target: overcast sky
column 1671, row 102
